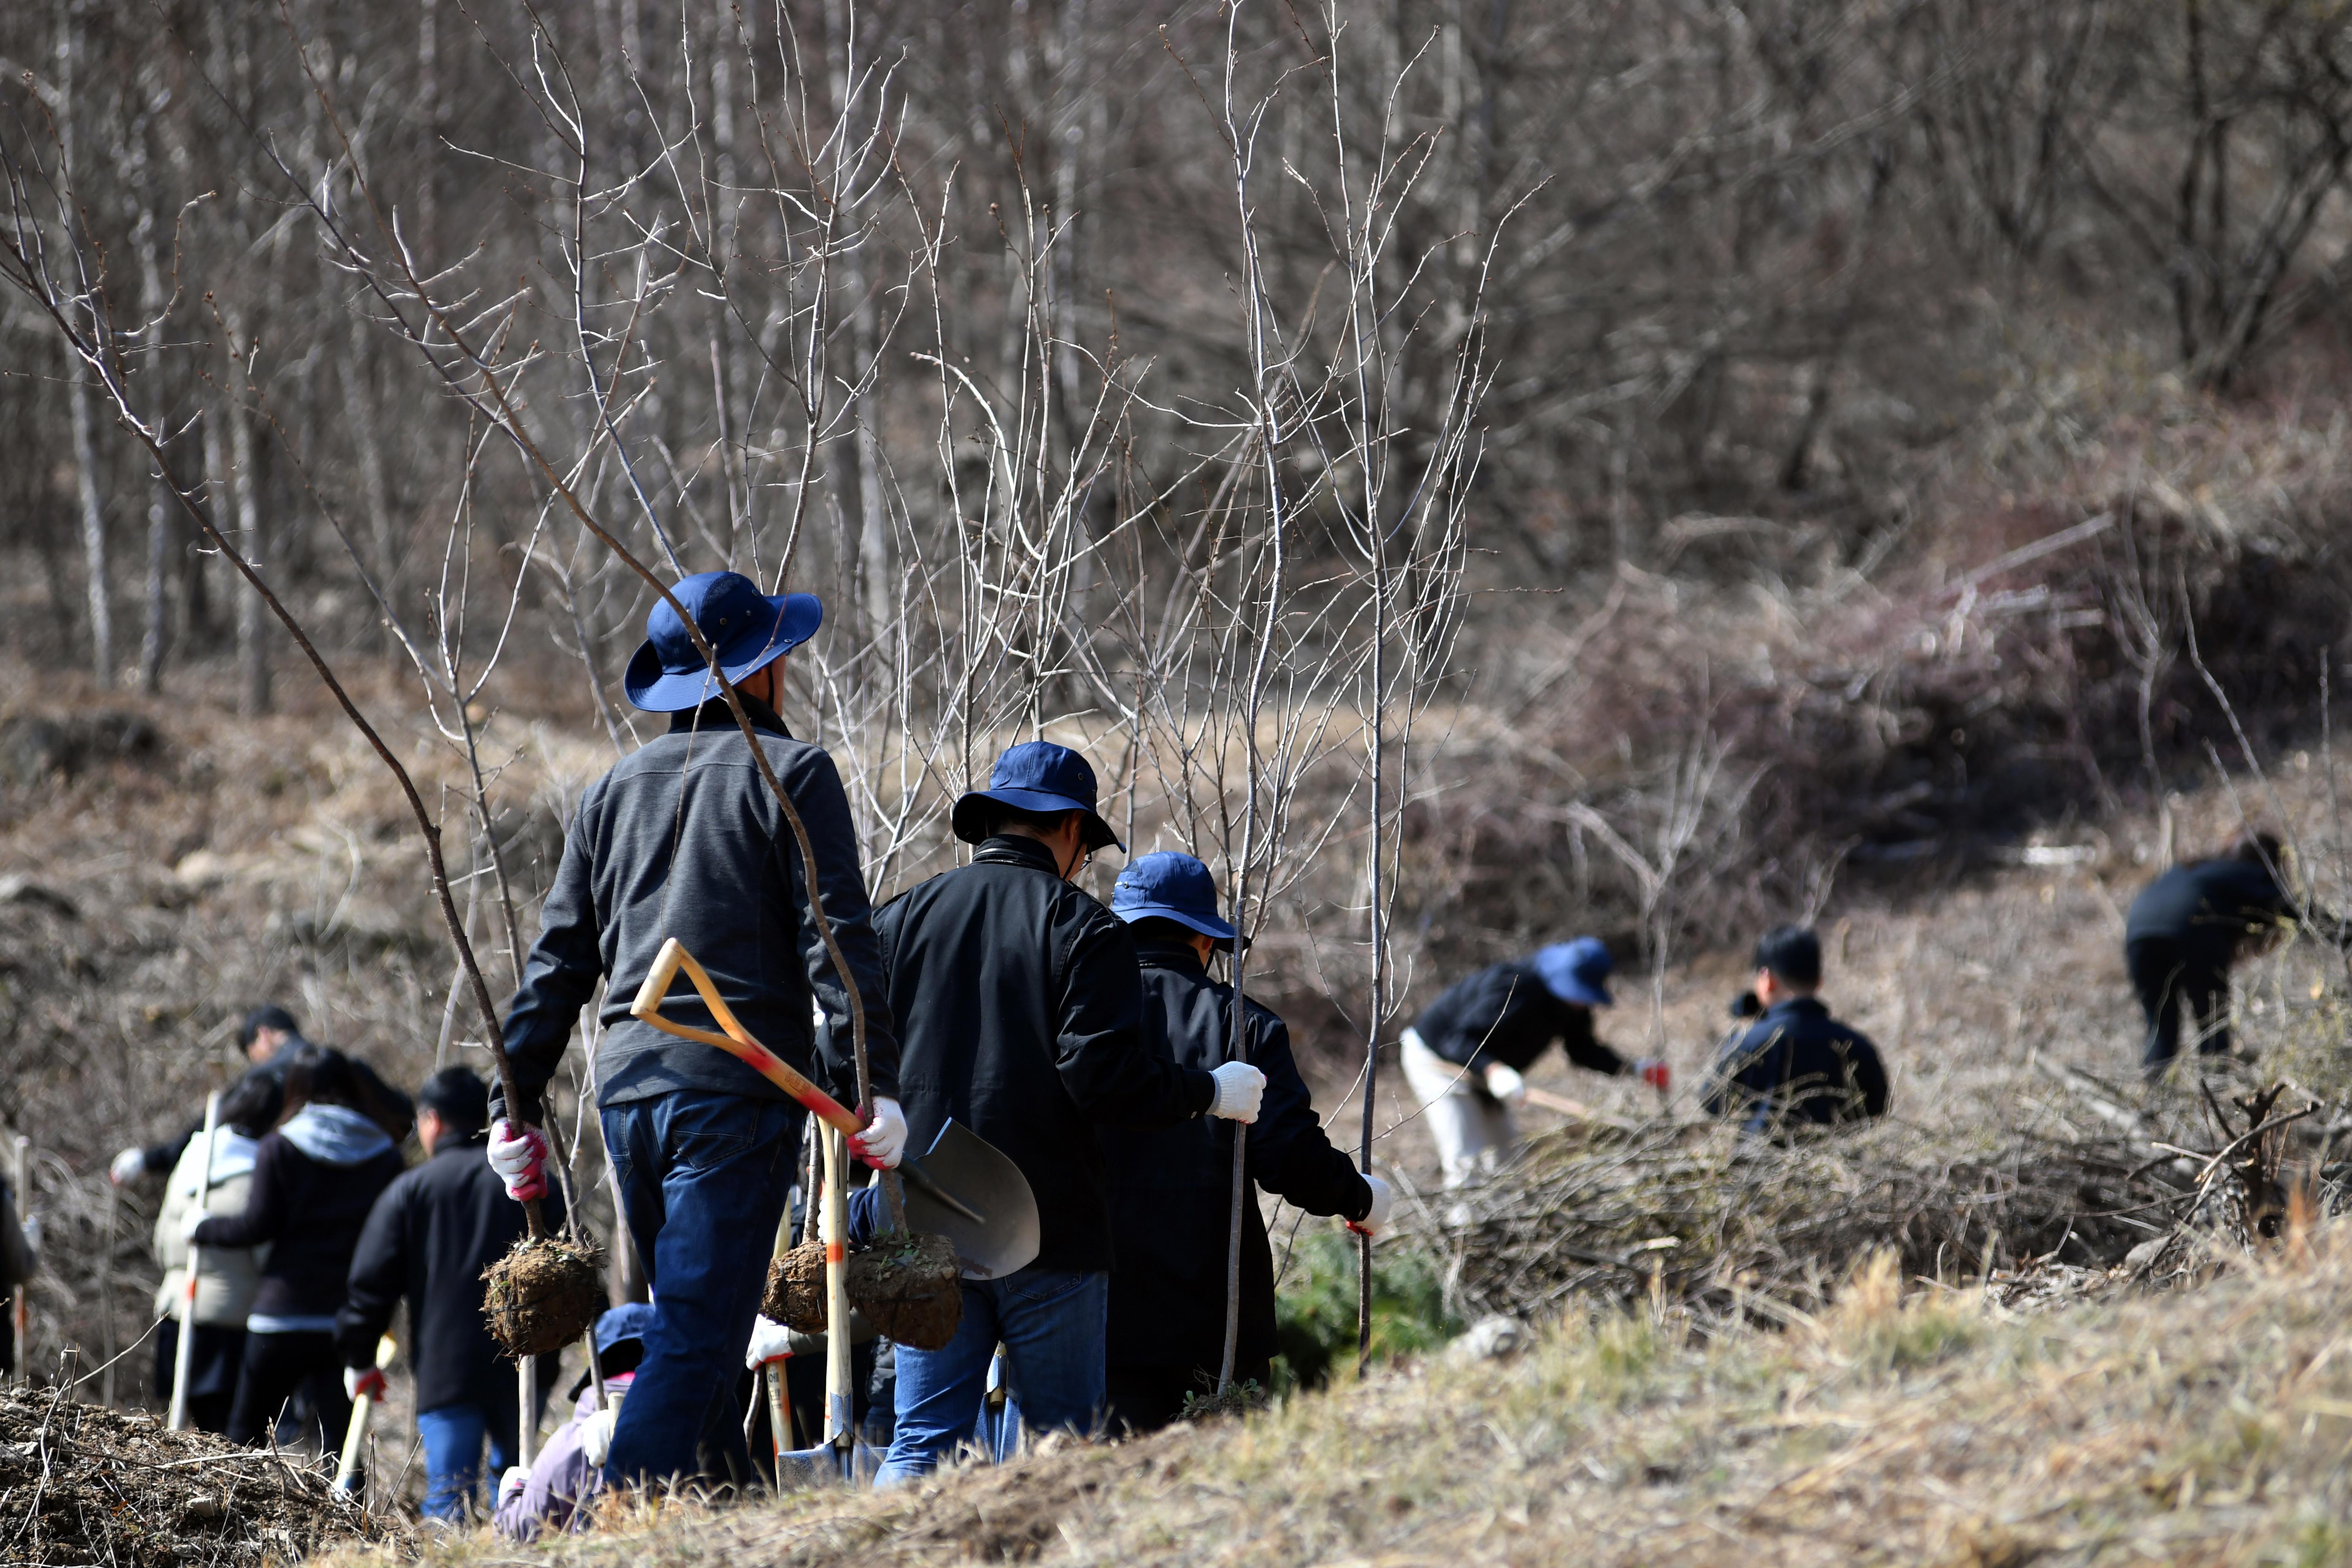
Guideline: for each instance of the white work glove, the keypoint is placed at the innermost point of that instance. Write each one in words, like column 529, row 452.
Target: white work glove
column 511, row 1483
column 129, row 1166
column 1504, row 1084
column 1376, row 1219
column 770, row 1341
column 597, row 1434
column 1239, row 1089
column 367, row 1379
column 519, row 1157
column 188, row 1223
column 884, row 1139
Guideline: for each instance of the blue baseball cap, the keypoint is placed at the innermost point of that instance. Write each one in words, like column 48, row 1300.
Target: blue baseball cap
column 619, row 1325
column 1170, row 885
column 1577, row 971
column 749, row 630
column 1036, row 776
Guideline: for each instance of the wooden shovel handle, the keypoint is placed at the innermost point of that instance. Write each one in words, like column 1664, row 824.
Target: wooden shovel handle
column 737, row 1041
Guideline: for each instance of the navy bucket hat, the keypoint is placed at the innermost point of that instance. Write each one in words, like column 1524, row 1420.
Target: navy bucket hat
column 1040, row 776
column 1577, row 971
column 749, row 630
column 1169, row 885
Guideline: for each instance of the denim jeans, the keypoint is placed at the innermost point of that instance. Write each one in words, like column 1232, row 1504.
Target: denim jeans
column 1053, row 1324
column 453, row 1437
column 704, row 1177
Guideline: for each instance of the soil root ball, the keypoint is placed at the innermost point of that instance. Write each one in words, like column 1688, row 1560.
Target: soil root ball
column 795, row 1293
column 543, row 1294
column 910, row 1288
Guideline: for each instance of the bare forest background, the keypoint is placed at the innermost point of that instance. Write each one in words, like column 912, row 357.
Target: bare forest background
column 1473, row 471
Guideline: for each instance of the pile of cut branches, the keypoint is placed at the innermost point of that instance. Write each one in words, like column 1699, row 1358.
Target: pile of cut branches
column 1692, row 1215
column 81, row 1484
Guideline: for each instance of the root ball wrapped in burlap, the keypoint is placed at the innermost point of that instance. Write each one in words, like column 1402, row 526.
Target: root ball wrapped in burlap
column 910, row 1288
column 795, row 1293
column 543, row 1294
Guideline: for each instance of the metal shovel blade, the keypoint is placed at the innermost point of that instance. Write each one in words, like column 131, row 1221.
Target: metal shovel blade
column 977, row 1172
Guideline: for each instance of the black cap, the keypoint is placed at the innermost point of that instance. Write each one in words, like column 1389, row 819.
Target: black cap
column 1792, row 953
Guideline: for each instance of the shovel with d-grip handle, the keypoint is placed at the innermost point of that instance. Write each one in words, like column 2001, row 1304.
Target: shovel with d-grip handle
column 737, row 1042
column 355, row 1435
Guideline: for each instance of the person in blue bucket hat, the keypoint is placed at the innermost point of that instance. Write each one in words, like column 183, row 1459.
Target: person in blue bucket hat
column 1023, row 1018
column 1467, row 1054
column 1171, row 1188
column 560, row 1490
column 683, row 838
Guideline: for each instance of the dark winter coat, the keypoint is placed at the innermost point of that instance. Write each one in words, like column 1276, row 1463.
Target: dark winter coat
column 310, row 1211
column 1504, row 1012
column 1796, row 1063
column 683, row 838
column 2206, row 907
column 1023, row 1014
column 1172, row 1189
column 429, row 1238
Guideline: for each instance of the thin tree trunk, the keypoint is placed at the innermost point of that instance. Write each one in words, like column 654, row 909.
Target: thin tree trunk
column 93, row 533
column 252, row 655
column 156, row 635
column 359, row 408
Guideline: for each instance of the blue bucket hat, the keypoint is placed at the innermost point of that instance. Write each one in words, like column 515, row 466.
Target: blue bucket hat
column 1577, row 971
column 1170, row 885
column 749, row 630
column 618, row 1325
column 1036, row 776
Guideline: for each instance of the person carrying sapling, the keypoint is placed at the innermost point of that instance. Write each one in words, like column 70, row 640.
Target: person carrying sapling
column 1171, row 1187
column 685, row 839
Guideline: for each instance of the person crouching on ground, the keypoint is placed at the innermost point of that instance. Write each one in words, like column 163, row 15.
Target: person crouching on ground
column 569, row 1474
column 314, row 1180
column 2192, row 925
column 217, row 1180
column 1171, row 1188
column 1466, row 1055
column 1023, row 1018
column 683, row 838
column 427, row 1239
column 1795, row 1064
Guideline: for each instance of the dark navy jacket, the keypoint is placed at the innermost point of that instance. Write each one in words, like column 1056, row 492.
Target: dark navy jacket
column 1022, row 1016
column 1171, row 1190
column 1796, row 1063
column 429, row 1238
column 683, row 838
column 2206, row 907
column 1504, row 1012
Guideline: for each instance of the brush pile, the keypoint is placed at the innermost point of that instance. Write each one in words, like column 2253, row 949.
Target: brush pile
column 80, row 1484
column 1692, row 1215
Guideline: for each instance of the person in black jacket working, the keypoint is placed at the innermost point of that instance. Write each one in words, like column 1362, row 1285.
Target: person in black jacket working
column 1171, row 1188
column 683, row 838
column 315, row 1178
column 2188, row 928
column 1795, row 1063
column 429, row 1238
column 1023, row 1014
column 1465, row 1054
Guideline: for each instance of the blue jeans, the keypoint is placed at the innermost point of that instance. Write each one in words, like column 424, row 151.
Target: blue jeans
column 704, row 1178
column 1054, row 1324
column 453, row 1437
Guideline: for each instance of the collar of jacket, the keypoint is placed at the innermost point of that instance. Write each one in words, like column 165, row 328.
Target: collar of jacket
column 1014, row 849
column 1796, row 1007
column 716, row 715
column 461, row 1144
column 1167, row 953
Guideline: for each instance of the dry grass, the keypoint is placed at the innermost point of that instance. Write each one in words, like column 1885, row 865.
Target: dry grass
column 2208, row 1426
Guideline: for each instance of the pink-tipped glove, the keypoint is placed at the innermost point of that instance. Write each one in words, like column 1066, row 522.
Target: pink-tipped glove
column 1655, row 1073
column 519, row 1157
column 770, row 1341
column 884, row 1139
column 1375, row 1220
column 363, row 1381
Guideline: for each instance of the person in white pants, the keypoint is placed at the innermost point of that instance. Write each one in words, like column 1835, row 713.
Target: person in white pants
column 1467, row 1054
